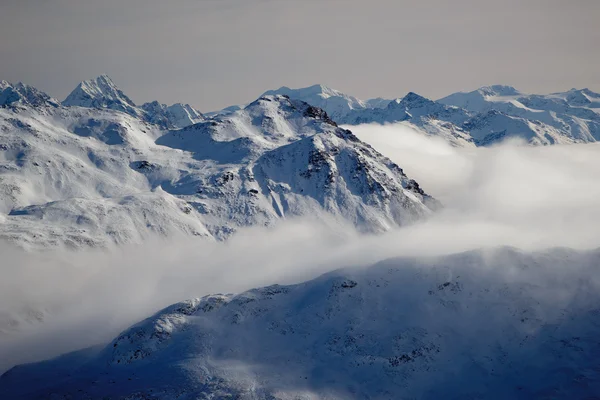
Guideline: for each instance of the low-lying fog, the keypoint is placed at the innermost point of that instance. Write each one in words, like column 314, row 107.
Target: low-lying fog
column 511, row 195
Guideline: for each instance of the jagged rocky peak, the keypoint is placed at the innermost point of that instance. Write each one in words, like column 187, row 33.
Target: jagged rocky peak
column 22, row 95
column 100, row 92
column 288, row 107
column 412, row 99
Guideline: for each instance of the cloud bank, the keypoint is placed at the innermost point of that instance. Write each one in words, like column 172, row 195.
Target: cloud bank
column 510, row 195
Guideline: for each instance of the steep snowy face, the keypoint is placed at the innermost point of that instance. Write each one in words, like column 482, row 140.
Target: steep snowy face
column 20, row 95
column 345, row 177
column 280, row 158
column 101, row 92
column 335, row 103
column 498, row 324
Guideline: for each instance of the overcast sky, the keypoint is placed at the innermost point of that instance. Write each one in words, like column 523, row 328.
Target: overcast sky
column 214, row 53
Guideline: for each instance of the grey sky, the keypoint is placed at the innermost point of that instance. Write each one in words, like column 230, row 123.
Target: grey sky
column 214, row 53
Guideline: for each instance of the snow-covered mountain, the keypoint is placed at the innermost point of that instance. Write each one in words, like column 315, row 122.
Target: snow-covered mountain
column 334, row 102
column 483, row 117
column 502, row 111
column 21, row 95
column 279, row 157
column 429, row 116
column 102, row 93
column 492, row 114
column 98, row 169
column 176, row 116
column 485, row 324
column 98, row 173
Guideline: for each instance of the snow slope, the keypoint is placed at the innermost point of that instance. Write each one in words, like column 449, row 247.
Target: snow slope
column 78, row 176
column 484, row 324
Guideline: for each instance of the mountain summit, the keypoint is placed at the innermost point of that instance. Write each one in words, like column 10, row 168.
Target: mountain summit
column 22, row 95
column 100, row 92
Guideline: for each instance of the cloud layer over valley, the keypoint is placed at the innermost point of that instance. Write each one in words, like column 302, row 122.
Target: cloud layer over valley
column 532, row 198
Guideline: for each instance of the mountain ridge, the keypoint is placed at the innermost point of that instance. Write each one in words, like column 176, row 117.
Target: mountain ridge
column 103, row 176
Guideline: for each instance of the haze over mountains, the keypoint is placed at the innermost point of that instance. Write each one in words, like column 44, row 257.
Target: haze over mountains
column 97, row 171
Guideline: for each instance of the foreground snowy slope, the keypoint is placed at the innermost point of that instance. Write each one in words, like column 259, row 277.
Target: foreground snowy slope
column 99, row 171
column 495, row 324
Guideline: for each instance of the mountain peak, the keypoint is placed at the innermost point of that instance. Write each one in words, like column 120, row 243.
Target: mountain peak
column 410, row 100
column 336, row 103
column 100, row 92
column 412, row 97
column 24, row 95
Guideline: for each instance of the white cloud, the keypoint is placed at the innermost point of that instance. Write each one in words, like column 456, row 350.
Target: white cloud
column 531, row 198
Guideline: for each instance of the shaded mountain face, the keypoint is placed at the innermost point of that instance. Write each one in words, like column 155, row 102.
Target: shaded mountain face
column 497, row 324
column 21, row 95
column 102, row 174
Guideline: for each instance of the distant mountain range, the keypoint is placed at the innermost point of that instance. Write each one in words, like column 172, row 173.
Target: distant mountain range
column 97, row 169
column 482, row 117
